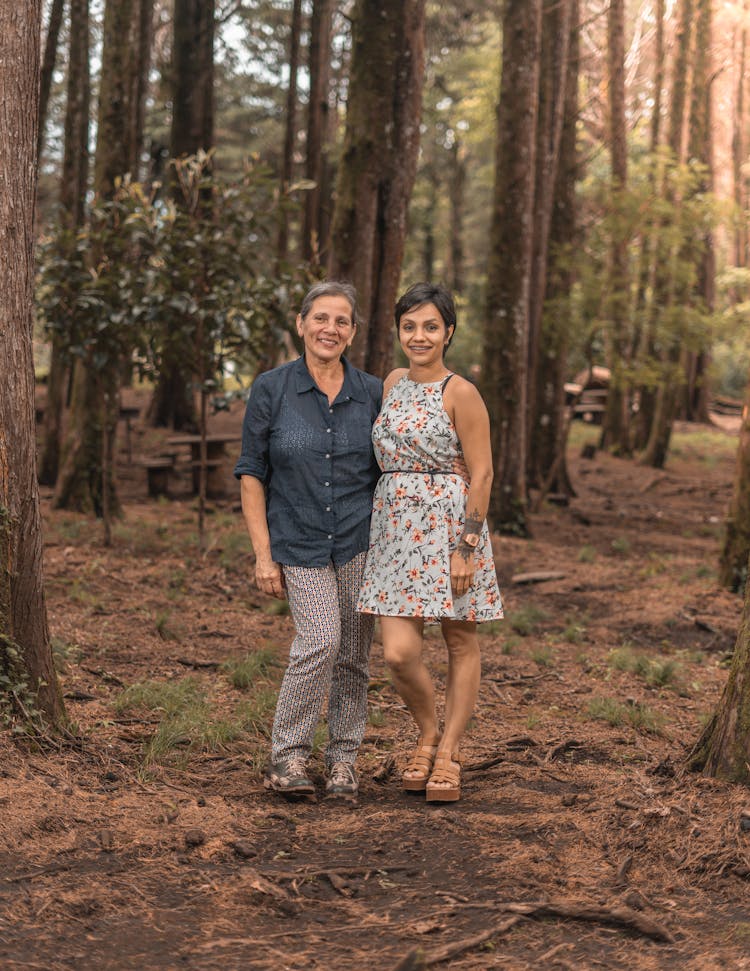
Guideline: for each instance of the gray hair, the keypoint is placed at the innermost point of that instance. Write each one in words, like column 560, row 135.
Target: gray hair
column 330, row 288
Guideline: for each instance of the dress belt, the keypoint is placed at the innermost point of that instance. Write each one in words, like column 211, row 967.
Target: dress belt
column 418, row 472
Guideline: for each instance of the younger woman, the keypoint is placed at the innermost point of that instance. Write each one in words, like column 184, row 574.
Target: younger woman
column 430, row 555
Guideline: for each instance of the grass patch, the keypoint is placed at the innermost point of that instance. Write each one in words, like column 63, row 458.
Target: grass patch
column 574, row 631
column 620, row 545
column 248, row 670
column 376, row 718
column 543, row 656
column 587, row 554
column 255, row 714
column 525, row 620
column 490, row 627
column 188, row 723
column 638, row 716
column 510, row 645
column 164, row 628
column 656, row 672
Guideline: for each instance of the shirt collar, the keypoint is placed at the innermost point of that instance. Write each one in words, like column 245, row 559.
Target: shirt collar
column 351, row 388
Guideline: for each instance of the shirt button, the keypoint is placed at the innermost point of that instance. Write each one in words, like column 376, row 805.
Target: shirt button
column 330, row 410
column 328, row 508
column 330, row 536
column 328, row 430
column 328, row 455
column 326, row 483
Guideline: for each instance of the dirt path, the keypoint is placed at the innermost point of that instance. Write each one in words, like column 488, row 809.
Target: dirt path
column 117, row 856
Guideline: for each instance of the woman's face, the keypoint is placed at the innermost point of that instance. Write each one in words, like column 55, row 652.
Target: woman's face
column 328, row 329
column 423, row 334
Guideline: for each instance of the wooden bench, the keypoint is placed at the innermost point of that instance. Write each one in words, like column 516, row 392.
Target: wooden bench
column 158, row 472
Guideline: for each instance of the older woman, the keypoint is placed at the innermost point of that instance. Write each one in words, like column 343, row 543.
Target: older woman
column 307, row 475
column 430, row 554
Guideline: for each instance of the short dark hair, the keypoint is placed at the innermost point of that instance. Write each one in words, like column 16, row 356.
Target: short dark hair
column 435, row 293
column 330, row 288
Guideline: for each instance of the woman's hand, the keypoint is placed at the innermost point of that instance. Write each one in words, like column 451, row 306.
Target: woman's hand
column 269, row 578
column 462, row 570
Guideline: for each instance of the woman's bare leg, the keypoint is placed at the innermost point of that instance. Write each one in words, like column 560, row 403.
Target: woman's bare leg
column 402, row 648
column 464, row 669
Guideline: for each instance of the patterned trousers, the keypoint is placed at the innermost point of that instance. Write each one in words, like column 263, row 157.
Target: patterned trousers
column 329, row 654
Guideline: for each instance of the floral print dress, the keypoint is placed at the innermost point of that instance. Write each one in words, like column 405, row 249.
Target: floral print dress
column 418, row 514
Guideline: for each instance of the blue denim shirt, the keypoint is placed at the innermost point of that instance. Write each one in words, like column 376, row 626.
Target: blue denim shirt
column 315, row 460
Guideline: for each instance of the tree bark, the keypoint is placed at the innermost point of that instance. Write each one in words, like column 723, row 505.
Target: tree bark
column 290, row 131
column 506, row 330
column 25, row 653
column 723, row 750
column 316, row 159
column 84, row 479
column 644, row 330
column 173, row 403
column 378, row 167
column 551, row 426
column 738, row 155
column 554, row 65
column 48, row 67
column 75, row 171
column 456, row 194
column 671, row 381
column 616, row 430
column 734, row 555
column 139, row 66
column 700, row 150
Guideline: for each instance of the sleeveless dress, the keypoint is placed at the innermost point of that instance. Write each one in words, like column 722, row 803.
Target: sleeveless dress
column 418, row 514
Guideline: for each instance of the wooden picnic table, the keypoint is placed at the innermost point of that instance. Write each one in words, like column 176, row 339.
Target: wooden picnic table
column 217, row 460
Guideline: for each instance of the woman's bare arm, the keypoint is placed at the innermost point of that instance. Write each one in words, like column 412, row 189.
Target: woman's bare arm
column 268, row 574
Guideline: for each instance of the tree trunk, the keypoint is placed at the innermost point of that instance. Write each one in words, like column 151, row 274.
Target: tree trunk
column 738, row 156
column 290, row 132
column 317, row 126
column 506, row 331
column 139, row 66
column 553, row 71
column 456, row 193
column 700, row 149
column 734, row 555
column 671, row 383
column 75, row 171
column 616, row 430
column 83, row 480
column 551, row 426
column 644, row 335
column 193, row 77
column 378, row 166
column 48, row 67
column 25, row 653
column 428, row 220
column 173, row 403
column 723, row 749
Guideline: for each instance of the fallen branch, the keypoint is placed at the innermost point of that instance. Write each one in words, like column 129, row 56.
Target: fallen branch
column 617, row 916
column 512, row 744
column 419, row 959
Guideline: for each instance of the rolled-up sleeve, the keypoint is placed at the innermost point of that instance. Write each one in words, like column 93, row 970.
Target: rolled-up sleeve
column 256, row 433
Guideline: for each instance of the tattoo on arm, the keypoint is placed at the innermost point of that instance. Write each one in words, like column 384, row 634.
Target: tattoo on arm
column 473, row 522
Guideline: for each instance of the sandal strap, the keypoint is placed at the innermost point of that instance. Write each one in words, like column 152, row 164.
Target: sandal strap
column 421, row 759
column 447, row 768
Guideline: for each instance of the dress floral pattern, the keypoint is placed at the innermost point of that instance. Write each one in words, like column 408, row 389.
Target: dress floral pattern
column 418, row 514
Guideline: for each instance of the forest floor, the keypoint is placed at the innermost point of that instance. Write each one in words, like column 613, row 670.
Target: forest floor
column 148, row 842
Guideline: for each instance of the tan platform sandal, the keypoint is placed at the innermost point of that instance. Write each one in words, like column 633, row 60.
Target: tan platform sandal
column 421, row 762
column 444, row 785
